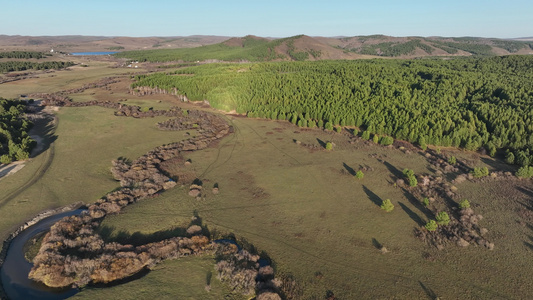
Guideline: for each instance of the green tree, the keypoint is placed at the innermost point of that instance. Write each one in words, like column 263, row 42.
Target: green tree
column 422, row 143
column 329, row 146
column 480, row 172
column 442, row 218
column 425, row 201
column 387, row 205
column 375, row 139
column 365, row 135
column 509, row 158
column 464, row 204
column 525, row 172
column 431, row 225
column 5, row 159
column 359, row 175
column 452, row 160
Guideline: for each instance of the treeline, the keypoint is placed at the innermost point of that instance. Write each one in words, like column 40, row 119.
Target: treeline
column 394, row 49
column 10, row 66
column 475, row 46
column 469, row 102
column 23, row 54
column 15, row 143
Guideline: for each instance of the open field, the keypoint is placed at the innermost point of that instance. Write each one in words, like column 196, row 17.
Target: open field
column 318, row 223
column 301, row 206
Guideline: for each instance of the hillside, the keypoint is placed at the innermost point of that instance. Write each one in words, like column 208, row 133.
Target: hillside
column 78, row 43
column 388, row 46
column 302, row 47
column 249, row 48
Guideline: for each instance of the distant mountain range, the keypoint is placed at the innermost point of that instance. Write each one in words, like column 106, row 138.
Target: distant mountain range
column 299, row 47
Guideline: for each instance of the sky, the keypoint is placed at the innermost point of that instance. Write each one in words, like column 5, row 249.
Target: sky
column 273, row 18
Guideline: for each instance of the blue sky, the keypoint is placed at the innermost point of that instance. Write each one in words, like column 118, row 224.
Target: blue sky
column 274, row 18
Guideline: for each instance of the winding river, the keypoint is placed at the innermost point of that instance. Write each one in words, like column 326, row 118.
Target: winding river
column 15, row 270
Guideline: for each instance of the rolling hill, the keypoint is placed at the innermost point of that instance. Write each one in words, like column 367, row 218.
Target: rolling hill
column 303, row 47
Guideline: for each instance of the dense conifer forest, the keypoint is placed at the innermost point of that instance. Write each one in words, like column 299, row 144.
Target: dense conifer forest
column 10, row 66
column 472, row 103
column 15, row 143
column 23, row 54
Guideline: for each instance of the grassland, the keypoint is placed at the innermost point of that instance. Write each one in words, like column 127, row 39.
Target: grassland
column 299, row 205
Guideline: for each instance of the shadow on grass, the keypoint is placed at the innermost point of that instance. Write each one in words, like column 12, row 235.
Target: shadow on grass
column 349, row 169
column 416, row 203
column 414, row 216
column 376, row 244
column 429, row 292
column 395, row 171
column 321, row 142
column 373, row 197
column 45, row 129
column 109, row 234
column 498, row 165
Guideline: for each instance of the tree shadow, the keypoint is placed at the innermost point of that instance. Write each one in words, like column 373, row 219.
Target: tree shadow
column 530, row 243
column 321, row 143
column 45, row 129
column 349, row 169
column 526, row 191
column 395, row 171
column 376, row 244
column 373, row 197
column 109, row 234
column 429, row 292
column 416, row 203
column 498, row 165
column 414, row 216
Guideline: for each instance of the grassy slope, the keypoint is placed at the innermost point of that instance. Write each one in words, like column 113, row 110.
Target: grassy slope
column 174, row 279
column 314, row 218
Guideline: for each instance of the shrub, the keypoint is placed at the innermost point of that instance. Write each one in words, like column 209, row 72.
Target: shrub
column 375, row 139
column 452, row 160
column 359, row 174
column 443, row 218
column 464, row 204
column 145, row 109
column 387, row 205
column 480, row 172
column 425, row 201
column 431, row 225
column 525, row 172
column 355, row 132
column 329, row 146
column 338, row 129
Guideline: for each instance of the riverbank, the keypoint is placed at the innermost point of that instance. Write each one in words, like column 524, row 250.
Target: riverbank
column 41, row 216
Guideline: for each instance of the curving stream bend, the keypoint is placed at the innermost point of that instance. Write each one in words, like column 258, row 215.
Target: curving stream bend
column 15, row 270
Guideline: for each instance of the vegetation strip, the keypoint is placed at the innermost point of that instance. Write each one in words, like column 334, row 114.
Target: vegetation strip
column 73, row 253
